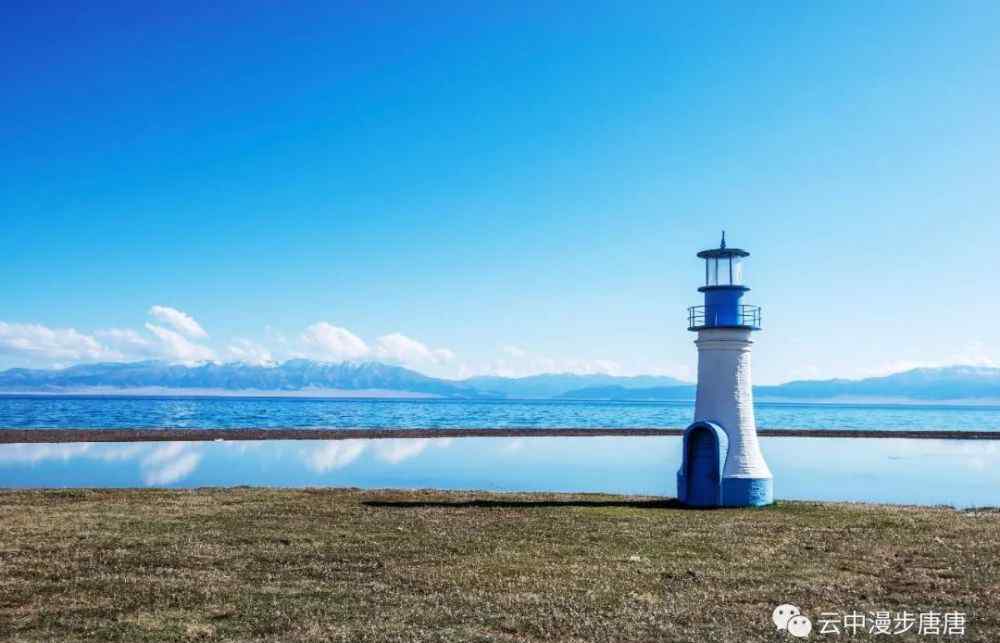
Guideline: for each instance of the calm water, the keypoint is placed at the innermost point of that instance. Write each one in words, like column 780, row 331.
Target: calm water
column 123, row 412
column 953, row 472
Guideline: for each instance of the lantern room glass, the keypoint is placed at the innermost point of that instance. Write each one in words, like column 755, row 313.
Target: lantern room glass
column 724, row 271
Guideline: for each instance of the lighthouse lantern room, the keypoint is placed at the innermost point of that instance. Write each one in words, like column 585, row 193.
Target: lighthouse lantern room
column 721, row 463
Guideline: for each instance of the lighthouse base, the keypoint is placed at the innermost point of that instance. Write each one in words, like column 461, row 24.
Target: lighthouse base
column 733, row 492
column 747, row 492
column 700, row 481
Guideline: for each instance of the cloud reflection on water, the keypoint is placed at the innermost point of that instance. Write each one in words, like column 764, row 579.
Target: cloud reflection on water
column 35, row 453
column 960, row 473
column 330, row 455
column 170, row 463
column 159, row 464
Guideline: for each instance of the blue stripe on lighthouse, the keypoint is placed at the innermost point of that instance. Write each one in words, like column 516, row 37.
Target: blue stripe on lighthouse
column 722, row 306
column 747, row 492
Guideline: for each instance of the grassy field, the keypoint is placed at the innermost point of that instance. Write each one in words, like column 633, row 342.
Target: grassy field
column 347, row 565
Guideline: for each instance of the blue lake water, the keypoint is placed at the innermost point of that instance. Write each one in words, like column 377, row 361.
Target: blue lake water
column 954, row 472
column 131, row 412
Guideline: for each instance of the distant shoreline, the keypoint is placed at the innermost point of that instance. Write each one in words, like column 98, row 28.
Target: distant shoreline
column 173, row 393
column 49, row 436
column 303, row 378
column 384, row 395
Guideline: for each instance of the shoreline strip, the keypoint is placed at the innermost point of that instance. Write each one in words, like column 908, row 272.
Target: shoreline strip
column 36, row 436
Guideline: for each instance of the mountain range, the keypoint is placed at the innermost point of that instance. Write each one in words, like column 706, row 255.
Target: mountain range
column 945, row 383
column 550, row 385
column 290, row 376
column 375, row 379
column 924, row 384
column 297, row 376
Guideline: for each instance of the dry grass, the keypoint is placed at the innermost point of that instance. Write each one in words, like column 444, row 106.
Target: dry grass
column 347, row 565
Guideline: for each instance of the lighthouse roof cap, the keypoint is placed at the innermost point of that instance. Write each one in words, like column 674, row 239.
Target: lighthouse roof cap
column 716, row 253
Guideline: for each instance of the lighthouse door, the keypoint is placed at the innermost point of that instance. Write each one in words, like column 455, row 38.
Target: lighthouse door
column 703, row 468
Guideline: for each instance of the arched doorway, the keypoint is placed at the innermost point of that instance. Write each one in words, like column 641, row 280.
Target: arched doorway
column 704, row 448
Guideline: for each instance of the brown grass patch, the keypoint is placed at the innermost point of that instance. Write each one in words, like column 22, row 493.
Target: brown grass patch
column 347, row 565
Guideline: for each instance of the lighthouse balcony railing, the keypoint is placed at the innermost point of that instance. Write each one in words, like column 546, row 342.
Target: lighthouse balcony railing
column 745, row 317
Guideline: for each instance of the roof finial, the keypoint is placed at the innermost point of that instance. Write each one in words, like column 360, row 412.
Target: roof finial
column 723, row 244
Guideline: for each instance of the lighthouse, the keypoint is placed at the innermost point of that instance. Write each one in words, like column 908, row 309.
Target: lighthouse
column 721, row 464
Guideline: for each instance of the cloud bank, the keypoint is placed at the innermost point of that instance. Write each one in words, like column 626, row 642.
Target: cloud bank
column 53, row 344
column 175, row 336
column 326, row 341
column 41, row 345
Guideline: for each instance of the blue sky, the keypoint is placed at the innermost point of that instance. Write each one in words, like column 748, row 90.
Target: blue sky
column 466, row 188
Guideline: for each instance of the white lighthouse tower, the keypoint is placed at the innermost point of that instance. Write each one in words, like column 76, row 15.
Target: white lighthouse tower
column 722, row 465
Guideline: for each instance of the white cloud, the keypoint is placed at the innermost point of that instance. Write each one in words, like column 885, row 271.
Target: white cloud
column 128, row 342
column 443, row 355
column 41, row 342
column 333, row 342
column 323, row 340
column 176, row 347
column 518, row 362
column 249, row 352
column 515, row 351
column 123, row 336
column 181, row 321
column 276, row 335
column 173, row 342
column 679, row 371
column 165, row 344
column 396, row 347
column 515, row 361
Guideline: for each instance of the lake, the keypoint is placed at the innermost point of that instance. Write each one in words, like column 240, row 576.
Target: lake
column 928, row 472
column 955, row 472
column 206, row 412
